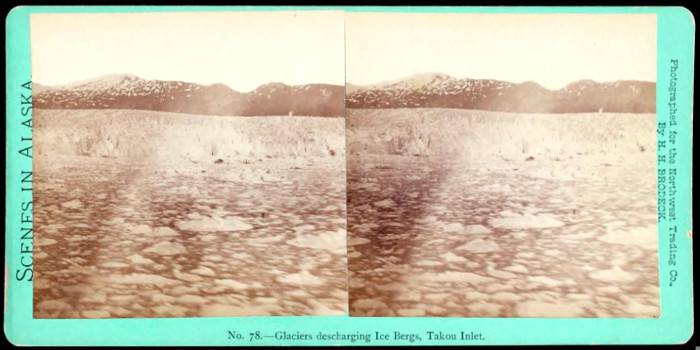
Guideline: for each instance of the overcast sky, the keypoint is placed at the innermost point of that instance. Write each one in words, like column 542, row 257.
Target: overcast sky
column 550, row 49
column 240, row 49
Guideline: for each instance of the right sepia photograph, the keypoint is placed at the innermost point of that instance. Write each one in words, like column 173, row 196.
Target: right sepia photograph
column 502, row 165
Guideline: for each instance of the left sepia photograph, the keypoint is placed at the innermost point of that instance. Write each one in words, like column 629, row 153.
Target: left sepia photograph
column 189, row 164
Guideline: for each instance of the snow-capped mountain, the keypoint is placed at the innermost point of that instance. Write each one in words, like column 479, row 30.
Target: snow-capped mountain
column 131, row 92
column 436, row 90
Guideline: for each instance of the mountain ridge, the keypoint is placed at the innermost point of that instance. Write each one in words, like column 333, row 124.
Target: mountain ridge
column 437, row 90
column 126, row 91
column 425, row 90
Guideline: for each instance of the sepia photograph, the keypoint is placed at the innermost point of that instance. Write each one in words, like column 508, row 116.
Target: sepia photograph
column 189, row 164
column 502, row 165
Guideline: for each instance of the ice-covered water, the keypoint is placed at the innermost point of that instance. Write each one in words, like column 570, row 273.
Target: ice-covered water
column 545, row 248
column 122, row 237
column 486, row 236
